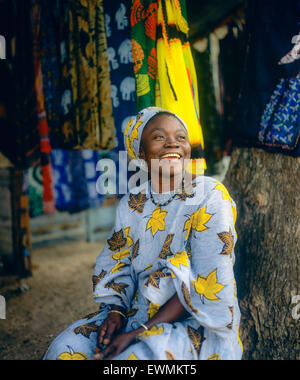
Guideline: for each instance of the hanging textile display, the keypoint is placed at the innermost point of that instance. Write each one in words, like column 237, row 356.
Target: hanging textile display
column 18, row 118
column 45, row 148
column 143, row 21
column 56, row 78
column 35, row 191
column 93, row 120
column 268, row 112
column 41, row 187
column 75, row 179
column 76, row 75
column 280, row 122
column 163, row 62
column 123, row 88
column 177, row 88
column 209, row 116
column 21, row 224
column 119, row 51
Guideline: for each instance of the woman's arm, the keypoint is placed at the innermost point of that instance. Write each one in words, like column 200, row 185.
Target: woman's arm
column 172, row 311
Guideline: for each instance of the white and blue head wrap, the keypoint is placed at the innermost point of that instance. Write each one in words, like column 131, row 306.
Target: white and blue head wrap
column 136, row 125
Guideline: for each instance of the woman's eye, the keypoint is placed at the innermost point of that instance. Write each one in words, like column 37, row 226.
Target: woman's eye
column 181, row 137
column 158, row 137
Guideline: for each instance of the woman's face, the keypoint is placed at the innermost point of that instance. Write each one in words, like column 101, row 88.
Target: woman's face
column 166, row 141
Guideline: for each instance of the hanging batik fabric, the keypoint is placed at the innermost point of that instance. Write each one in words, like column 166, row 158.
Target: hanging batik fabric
column 143, row 22
column 56, row 77
column 75, row 179
column 163, row 63
column 268, row 112
column 176, row 88
column 48, row 193
column 93, row 120
column 123, row 89
column 20, row 140
column 120, row 60
column 280, row 123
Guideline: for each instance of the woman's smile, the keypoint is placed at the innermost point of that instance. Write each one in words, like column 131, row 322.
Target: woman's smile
column 165, row 139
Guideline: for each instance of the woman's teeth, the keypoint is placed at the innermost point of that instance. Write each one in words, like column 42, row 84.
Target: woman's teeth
column 171, row 156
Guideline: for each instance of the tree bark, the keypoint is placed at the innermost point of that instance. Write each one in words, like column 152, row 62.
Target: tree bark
column 266, row 188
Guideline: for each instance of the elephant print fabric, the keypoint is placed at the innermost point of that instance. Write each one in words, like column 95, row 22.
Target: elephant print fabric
column 117, row 16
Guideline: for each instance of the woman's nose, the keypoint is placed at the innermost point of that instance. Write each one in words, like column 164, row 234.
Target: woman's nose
column 171, row 142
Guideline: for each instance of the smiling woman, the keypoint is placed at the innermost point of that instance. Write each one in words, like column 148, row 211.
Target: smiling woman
column 165, row 147
column 165, row 277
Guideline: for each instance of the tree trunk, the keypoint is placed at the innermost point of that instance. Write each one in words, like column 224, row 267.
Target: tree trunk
column 266, row 188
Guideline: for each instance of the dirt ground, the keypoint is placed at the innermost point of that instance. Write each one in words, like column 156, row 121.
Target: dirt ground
column 60, row 292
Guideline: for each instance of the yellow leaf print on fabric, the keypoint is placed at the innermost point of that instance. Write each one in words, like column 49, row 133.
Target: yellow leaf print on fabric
column 136, row 202
column 214, row 357
column 97, row 279
column 224, row 191
column 92, row 315
column 128, row 126
column 117, row 241
column 196, row 337
column 197, row 222
column 208, row 286
column 180, row 258
column 152, row 310
column 154, row 279
column 172, row 274
column 118, row 267
column 234, row 216
column 187, row 297
column 132, row 312
column 135, row 131
column 166, row 249
column 151, row 332
column 169, row 355
column 157, row 220
column 235, row 288
column 135, row 250
column 86, row 330
column 117, row 287
column 136, row 296
column 228, row 239
column 238, row 337
column 129, row 239
column 129, row 148
column 132, row 357
column 72, row 356
column 148, row 267
column 120, row 255
column 231, row 310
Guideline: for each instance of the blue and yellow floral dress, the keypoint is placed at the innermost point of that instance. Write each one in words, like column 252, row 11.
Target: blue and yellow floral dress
column 154, row 252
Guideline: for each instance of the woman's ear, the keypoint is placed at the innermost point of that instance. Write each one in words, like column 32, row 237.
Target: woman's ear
column 142, row 154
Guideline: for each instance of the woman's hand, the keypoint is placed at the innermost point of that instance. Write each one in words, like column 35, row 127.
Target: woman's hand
column 112, row 325
column 172, row 311
column 119, row 344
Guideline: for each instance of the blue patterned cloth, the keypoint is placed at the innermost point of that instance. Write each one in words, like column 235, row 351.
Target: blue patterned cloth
column 75, row 177
column 117, row 17
column 267, row 112
column 280, row 124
